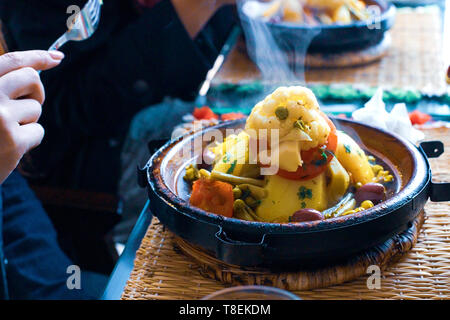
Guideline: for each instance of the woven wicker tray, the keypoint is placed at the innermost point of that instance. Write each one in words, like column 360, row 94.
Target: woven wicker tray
column 162, row 271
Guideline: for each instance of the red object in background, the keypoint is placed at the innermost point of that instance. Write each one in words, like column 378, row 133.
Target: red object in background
column 418, row 117
column 232, row 116
column 204, row 113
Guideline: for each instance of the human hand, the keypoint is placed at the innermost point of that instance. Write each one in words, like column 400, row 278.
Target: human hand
column 21, row 98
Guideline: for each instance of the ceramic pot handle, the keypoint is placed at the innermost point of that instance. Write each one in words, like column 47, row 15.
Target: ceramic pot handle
column 439, row 191
column 248, row 254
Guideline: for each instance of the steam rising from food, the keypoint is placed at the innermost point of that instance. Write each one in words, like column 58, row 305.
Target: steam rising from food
column 279, row 59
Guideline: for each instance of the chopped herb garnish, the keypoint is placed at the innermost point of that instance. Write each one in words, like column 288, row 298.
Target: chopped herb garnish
column 282, row 113
column 348, row 149
column 300, row 124
column 303, row 205
column 231, row 168
column 304, row 193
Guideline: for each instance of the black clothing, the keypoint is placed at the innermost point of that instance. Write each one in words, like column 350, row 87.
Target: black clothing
column 132, row 61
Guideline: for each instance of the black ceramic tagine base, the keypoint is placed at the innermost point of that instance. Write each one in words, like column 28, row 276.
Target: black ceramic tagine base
column 275, row 245
column 380, row 256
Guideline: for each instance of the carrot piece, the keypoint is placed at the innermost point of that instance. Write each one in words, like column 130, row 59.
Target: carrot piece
column 213, row 196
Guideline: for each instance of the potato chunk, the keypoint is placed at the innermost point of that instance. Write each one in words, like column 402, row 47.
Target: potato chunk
column 339, row 181
column 353, row 159
column 284, row 197
column 289, row 156
column 234, row 156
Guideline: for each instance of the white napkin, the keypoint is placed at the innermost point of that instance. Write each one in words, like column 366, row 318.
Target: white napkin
column 374, row 113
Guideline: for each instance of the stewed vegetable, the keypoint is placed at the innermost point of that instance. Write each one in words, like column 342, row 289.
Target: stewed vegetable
column 321, row 172
column 213, row 196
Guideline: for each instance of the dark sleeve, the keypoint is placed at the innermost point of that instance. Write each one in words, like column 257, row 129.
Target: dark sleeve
column 37, row 266
column 132, row 61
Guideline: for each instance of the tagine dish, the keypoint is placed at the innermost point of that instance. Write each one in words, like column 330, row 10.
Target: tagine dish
column 318, row 172
column 315, row 12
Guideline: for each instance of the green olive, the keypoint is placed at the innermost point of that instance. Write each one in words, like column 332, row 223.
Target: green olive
column 238, row 205
column 191, row 173
column 237, row 193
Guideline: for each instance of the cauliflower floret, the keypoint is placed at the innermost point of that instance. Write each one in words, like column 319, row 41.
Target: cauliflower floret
column 295, row 112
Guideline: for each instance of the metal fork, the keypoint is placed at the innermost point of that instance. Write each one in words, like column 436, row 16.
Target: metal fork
column 84, row 25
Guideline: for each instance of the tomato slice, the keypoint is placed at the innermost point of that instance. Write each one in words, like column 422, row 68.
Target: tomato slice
column 213, row 196
column 204, row 113
column 315, row 160
column 418, row 117
column 232, row 116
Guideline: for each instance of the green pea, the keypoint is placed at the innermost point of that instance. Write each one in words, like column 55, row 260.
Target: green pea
column 282, row 113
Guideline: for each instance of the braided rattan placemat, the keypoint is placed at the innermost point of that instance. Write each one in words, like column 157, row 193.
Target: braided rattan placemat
column 415, row 59
column 162, row 272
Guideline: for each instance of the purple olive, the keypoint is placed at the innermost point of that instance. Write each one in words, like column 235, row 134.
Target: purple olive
column 306, row 214
column 372, row 191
